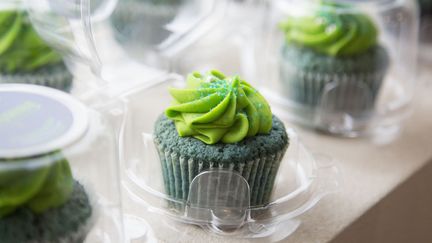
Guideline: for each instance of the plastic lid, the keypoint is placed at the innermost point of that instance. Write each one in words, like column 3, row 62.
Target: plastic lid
column 35, row 120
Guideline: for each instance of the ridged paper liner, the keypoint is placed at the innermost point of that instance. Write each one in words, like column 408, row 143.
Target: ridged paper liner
column 355, row 92
column 179, row 171
column 57, row 76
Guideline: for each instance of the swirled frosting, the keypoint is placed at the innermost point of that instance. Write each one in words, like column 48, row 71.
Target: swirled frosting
column 215, row 108
column 38, row 189
column 336, row 30
column 21, row 49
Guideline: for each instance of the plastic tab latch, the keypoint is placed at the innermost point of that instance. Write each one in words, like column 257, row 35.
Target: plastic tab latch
column 345, row 107
column 219, row 199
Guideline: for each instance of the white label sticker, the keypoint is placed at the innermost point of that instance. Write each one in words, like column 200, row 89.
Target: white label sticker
column 37, row 120
column 28, row 119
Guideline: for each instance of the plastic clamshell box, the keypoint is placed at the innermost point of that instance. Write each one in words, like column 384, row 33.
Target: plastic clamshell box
column 43, row 129
column 335, row 102
column 303, row 179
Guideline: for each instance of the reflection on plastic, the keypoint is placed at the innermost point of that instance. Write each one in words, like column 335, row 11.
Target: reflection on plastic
column 220, row 197
column 381, row 85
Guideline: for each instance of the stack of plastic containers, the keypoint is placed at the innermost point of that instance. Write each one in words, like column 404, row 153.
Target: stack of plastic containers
column 131, row 48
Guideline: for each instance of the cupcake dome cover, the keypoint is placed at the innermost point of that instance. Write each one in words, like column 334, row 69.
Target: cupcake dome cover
column 215, row 108
column 334, row 29
column 21, row 49
column 36, row 124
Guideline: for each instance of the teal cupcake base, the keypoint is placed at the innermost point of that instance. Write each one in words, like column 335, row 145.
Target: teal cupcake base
column 257, row 159
column 339, row 84
column 56, row 76
column 142, row 23
column 69, row 223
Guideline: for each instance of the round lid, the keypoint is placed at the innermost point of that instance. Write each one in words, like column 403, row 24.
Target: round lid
column 35, row 120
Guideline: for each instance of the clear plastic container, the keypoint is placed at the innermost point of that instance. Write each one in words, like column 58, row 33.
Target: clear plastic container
column 109, row 40
column 58, row 169
column 25, row 57
column 218, row 199
column 92, row 33
column 301, row 181
column 316, row 70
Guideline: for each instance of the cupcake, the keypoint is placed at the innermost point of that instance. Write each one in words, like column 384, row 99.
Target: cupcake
column 143, row 22
column 219, row 123
column 26, row 58
column 40, row 201
column 332, row 60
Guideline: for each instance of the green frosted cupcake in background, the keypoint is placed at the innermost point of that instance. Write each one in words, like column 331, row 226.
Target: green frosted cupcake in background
column 143, row 22
column 26, row 58
column 219, row 122
column 40, row 202
column 332, row 59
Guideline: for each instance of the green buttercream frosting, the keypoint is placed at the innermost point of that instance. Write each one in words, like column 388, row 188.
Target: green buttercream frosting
column 333, row 29
column 214, row 108
column 21, row 49
column 40, row 188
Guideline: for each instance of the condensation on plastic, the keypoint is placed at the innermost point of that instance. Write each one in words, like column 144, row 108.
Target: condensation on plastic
column 90, row 147
column 398, row 29
column 303, row 179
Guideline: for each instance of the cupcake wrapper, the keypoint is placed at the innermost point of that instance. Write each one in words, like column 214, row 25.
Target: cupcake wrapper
column 143, row 23
column 179, row 171
column 29, row 229
column 351, row 92
column 57, row 76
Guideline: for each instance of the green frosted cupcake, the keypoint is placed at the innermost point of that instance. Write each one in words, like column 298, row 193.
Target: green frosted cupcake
column 41, row 202
column 219, row 122
column 26, row 58
column 143, row 22
column 332, row 59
